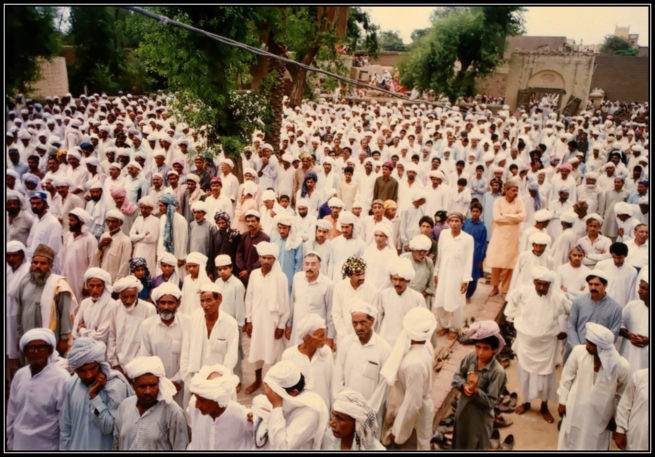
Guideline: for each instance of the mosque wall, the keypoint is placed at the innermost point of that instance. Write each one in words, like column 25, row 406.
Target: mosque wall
column 54, row 79
column 622, row 77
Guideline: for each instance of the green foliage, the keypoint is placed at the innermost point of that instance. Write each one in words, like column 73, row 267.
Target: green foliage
column 616, row 45
column 417, row 36
column 463, row 43
column 362, row 34
column 29, row 34
column 391, row 41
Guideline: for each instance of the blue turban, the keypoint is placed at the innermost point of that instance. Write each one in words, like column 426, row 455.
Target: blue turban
column 171, row 203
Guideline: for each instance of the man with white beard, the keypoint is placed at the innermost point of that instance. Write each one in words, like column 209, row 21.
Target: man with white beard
column 539, row 315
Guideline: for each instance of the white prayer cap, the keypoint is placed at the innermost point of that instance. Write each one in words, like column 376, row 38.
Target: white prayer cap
column 98, row 273
column 384, row 227
column 199, row 205
column 114, row 165
column 420, row 243
column 597, row 273
column 302, row 203
column 543, row 274
column 268, row 194
column 603, row 338
column 284, row 219
column 197, row 258
column 209, row 286
column 543, row 215
column 267, row 248
column 358, row 204
column 223, row 260
column 116, row 214
column 168, row 259
column 147, row 201
column 346, row 217
column 15, row 246
column 220, row 389
column 192, row 177
column 594, row 216
column 249, row 188
column 159, row 153
column 253, row 212
column 357, row 305
column 82, row 215
column 335, row 202
column 403, row 268
column 325, row 225
column 308, row 325
column 569, row 217
column 128, row 282
column 539, row 238
column 166, row 288
column 152, row 365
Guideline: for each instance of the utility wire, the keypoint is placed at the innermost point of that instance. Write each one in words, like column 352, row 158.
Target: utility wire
column 221, row 39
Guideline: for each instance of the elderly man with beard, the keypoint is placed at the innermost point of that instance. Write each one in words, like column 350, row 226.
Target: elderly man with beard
column 94, row 315
column 45, row 299
column 93, row 395
column 37, row 395
column 539, row 316
column 150, row 420
column 79, row 250
column 19, row 221
column 161, row 335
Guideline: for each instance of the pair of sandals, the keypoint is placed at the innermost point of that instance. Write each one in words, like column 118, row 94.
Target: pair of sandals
column 507, row 403
column 442, row 440
column 495, row 443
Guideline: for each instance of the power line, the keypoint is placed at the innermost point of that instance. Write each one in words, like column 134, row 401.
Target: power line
column 221, row 39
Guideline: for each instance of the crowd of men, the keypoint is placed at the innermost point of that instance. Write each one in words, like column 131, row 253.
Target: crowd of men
column 138, row 265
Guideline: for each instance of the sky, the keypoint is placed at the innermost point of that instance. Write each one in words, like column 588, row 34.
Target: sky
column 587, row 23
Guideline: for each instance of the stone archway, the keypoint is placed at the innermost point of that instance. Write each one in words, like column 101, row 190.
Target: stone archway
column 547, row 79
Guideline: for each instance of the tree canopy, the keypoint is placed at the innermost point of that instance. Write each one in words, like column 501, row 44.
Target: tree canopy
column 462, row 44
column 30, row 34
column 391, row 41
column 616, row 45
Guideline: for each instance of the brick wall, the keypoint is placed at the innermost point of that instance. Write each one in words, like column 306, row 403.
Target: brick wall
column 54, row 79
column 622, row 77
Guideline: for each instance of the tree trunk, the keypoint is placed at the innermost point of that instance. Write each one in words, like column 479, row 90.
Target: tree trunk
column 272, row 134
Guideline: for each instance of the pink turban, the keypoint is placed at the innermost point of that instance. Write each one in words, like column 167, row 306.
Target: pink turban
column 116, row 191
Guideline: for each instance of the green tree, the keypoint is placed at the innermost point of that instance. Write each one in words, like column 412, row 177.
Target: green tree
column 30, row 34
column 391, row 41
column 463, row 43
column 418, row 35
column 616, row 45
column 361, row 34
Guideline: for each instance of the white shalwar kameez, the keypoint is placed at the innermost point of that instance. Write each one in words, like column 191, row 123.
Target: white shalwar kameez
column 124, row 339
column 392, row 309
column 96, row 317
column 229, row 431
column 538, row 320
column 342, row 295
column 573, row 279
column 180, row 241
column 341, row 250
column 267, row 308
column 636, row 320
column 144, row 234
column 318, row 371
column 378, row 262
column 590, row 402
column 621, row 282
column 78, row 254
column 632, row 412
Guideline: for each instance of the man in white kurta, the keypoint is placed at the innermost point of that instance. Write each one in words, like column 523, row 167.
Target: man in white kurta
column 93, row 318
column 196, row 267
column 379, row 255
column 313, row 356
column 622, row 277
column 144, row 233
column 124, row 339
column 79, row 250
column 635, row 329
column 114, row 248
column 212, row 336
column 571, row 276
column 37, row 395
column 395, row 301
column 352, row 286
column 539, row 315
column 452, row 272
column 345, row 245
column 17, row 268
column 592, row 382
column 161, row 334
column 559, row 251
column 45, row 230
column 632, row 419
column 267, row 310
column 537, row 255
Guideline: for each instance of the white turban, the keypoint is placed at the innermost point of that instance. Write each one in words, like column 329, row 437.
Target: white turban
column 147, row 201
column 43, row 334
column 128, row 282
column 346, row 217
column 15, row 246
column 594, row 216
column 253, row 212
column 73, row 154
column 353, row 404
column 223, row 260
column 199, row 205
column 543, row 274
column 168, row 259
column 598, row 273
column 323, row 224
column 420, row 243
column 302, row 202
column 285, row 219
column 569, row 217
column 82, row 215
column 285, row 374
column 603, row 338
column 99, row 273
column 166, row 288
column 197, row 258
column 268, row 194
column 94, row 184
column 115, row 214
column 221, row 389
column 539, row 238
column 418, row 194
column 622, row 208
column 543, row 215
column 135, row 164
column 418, row 324
column 357, row 305
column 335, row 202
column 383, row 227
column 209, row 286
column 152, row 365
column 266, row 248
column 403, row 268
column 249, row 188
column 308, row 325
